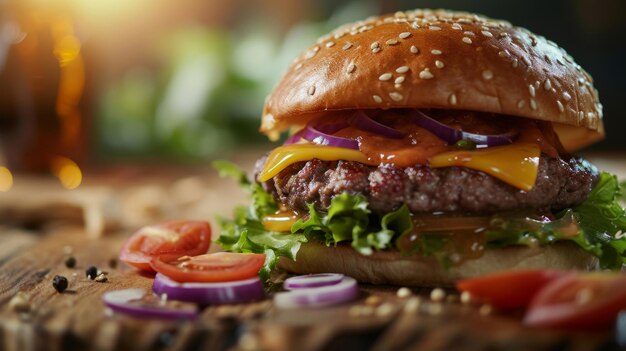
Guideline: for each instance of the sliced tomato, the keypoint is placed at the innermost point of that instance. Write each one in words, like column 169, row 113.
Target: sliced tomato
column 509, row 290
column 168, row 240
column 583, row 301
column 215, row 267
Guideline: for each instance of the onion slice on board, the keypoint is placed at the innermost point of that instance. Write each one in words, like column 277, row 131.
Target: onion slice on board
column 133, row 302
column 346, row 290
column 362, row 121
column 452, row 135
column 237, row 291
column 312, row 281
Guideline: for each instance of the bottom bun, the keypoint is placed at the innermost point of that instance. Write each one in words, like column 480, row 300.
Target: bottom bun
column 391, row 267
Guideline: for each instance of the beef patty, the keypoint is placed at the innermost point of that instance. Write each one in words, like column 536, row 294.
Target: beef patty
column 560, row 183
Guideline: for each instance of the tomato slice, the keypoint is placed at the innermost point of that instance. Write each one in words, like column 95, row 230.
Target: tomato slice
column 215, row 267
column 509, row 290
column 584, row 301
column 168, row 240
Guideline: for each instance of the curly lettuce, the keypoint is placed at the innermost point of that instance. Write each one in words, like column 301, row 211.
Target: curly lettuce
column 597, row 226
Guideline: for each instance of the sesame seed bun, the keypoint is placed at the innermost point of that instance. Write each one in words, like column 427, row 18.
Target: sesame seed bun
column 391, row 267
column 438, row 59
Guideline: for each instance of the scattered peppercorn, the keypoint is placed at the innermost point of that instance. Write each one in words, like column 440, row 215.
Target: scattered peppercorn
column 112, row 263
column 70, row 262
column 91, row 272
column 59, row 283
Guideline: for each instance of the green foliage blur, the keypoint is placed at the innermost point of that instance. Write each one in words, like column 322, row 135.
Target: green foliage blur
column 207, row 96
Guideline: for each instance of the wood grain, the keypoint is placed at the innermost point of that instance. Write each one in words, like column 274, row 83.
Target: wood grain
column 77, row 319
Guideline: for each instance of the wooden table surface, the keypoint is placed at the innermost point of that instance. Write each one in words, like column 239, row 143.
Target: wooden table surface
column 377, row 320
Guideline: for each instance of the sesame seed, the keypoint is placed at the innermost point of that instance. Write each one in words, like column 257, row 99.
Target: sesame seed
column 467, row 40
column 466, row 297
column 531, row 90
column 437, row 295
column 404, row 35
column 533, row 104
column 391, row 42
column 521, row 104
column 515, row 63
column 503, row 53
column 439, row 64
column 415, row 25
column 347, row 46
column 414, row 49
column 403, row 292
column 487, row 74
column 373, row 300
column 351, row 68
column 330, row 44
column 485, row 310
column 310, row 54
column 434, row 309
column 452, row 99
column 385, row 76
column 457, row 26
column 560, row 105
column 590, row 115
column 436, row 52
column 376, row 50
column 298, row 66
column 402, row 69
column 316, row 48
column 567, row 96
column 487, row 33
column 581, row 115
column 469, row 32
column 547, row 84
column 425, row 74
column 399, row 80
column 434, row 28
column 311, row 90
column 377, row 99
column 374, row 45
column 526, row 61
column 395, row 96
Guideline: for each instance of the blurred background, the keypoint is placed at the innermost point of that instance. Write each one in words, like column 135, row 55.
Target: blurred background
column 87, row 83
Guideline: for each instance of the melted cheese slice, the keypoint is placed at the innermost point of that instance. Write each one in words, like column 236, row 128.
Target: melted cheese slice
column 283, row 156
column 515, row 164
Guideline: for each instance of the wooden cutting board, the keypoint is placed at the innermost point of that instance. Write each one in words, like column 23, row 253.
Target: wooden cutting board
column 377, row 320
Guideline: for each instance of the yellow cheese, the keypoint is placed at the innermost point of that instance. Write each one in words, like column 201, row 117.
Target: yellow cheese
column 515, row 164
column 284, row 156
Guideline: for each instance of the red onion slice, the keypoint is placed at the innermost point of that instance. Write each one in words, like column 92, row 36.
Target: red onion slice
column 321, row 135
column 346, row 290
column 312, row 281
column 362, row 121
column 237, row 291
column 131, row 302
column 452, row 135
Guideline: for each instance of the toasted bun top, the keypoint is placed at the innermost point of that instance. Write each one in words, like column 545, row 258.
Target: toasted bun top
column 438, row 59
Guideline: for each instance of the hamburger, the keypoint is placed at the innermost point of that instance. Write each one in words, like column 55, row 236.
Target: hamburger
column 428, row 146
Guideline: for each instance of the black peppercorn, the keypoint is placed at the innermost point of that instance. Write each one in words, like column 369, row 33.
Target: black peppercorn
column 70, row 262
column 91, row 272
column 59, row 283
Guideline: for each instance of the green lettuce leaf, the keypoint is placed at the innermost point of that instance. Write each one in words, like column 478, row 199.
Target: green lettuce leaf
column 597, row 226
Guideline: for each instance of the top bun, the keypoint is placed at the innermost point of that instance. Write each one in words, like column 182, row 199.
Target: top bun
column 438, row 59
